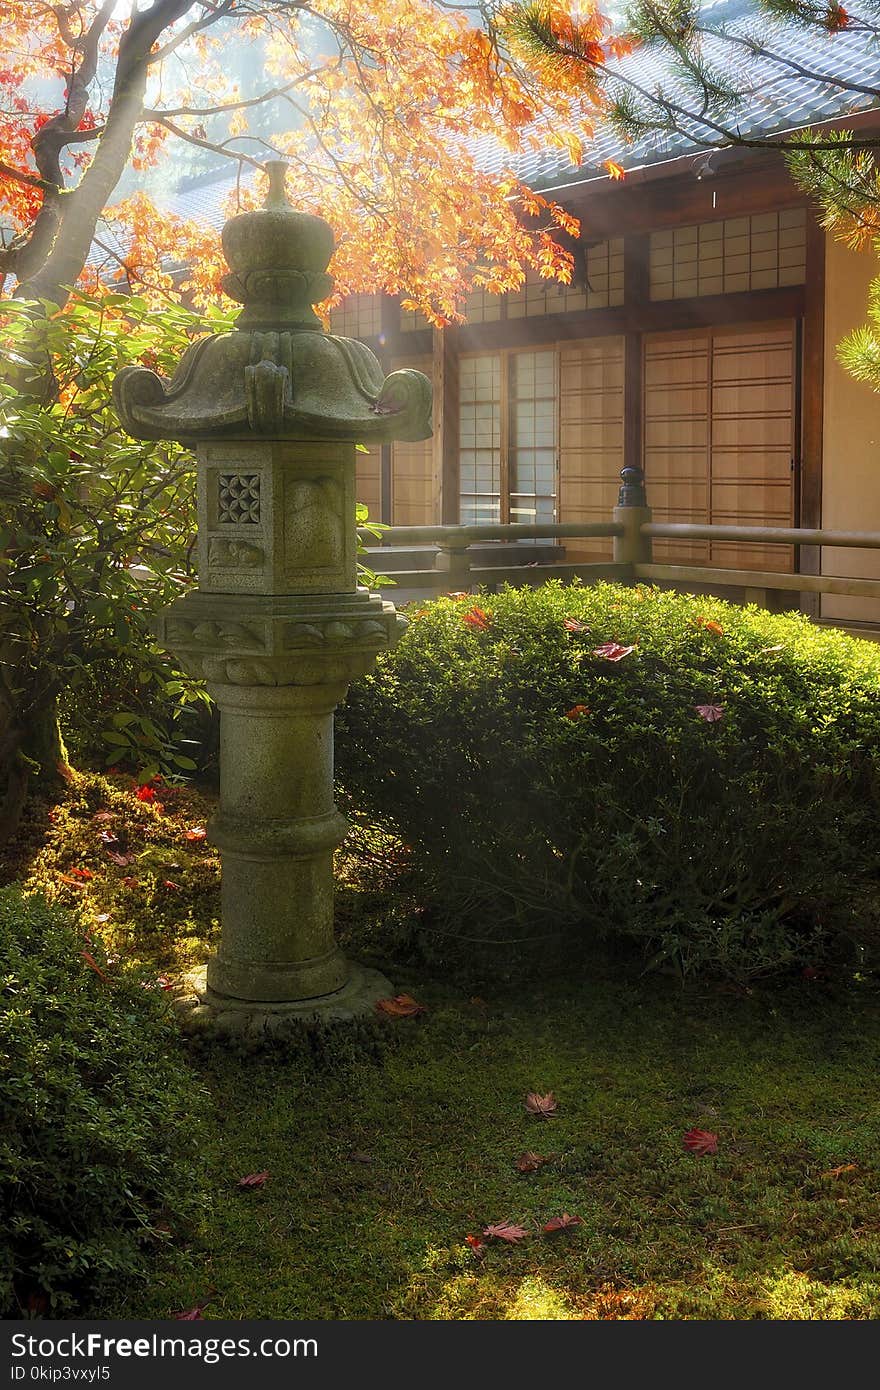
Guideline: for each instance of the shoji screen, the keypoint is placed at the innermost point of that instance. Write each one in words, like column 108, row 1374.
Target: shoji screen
column 480, row 438
column 719, row 437
column 412, row 469
column 367, row 469
column 590, row 436
column 532, row 448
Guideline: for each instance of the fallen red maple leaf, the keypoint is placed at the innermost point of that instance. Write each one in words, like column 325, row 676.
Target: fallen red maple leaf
column 576, row 712
column 711, row 713
column 530, row 1162
column 542, row 1106
column 168, row 883
column 477, row 618
column 70, row 880
column 475, row 1242
column 93, row 965
column 401, row 1006
column 574, row 625
column 254, row 1180
column 145, row 793
column 123, row 860
column 195, row 832
column 701, row 1141
column 612, row 651
column 191, row 1315
column 561, row 1223
column 129, row 882
column 842, row 1168
column 81, row 873
column 506, row 1230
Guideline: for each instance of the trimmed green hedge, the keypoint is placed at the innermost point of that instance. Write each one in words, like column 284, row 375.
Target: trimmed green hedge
column 98, row 1116
column 546, row 792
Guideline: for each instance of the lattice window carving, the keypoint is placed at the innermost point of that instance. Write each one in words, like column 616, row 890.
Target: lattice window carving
column 239, row 499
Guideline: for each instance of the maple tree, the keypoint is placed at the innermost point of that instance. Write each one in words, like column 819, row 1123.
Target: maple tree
column 377, row 105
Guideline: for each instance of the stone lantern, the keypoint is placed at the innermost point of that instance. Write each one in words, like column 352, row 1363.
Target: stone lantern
column 278, row 626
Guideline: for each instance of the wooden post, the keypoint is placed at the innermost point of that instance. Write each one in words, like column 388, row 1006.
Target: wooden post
column 447, row 478
column 812, row 366
column 632, row 512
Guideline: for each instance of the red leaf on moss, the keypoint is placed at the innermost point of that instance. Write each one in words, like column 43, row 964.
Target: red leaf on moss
column 401, row 1006
column 145, row 793
column 574, row 625
column 71, row 882
column 840, row 1170
column 477, row 618
column 612, row 651
column 254, row 1180
column 93, row 965
column 711, row 713
column 129, row 882
column 561, row 1223
column 195, row 832
column 701, row 1141
column 191, row 1315
column 123, row 860
column 83, row 874
column 476, row 1243
column 507, row 1231
column 542, row 1106
column 530, row 1162
column 576, row 712
column 168, row 883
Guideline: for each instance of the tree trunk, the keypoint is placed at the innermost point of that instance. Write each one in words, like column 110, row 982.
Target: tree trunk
column 31, row 747
column 83, row 205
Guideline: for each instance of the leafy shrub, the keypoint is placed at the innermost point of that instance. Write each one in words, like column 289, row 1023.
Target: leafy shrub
column 98, row 1116
column 711, row 794
column 95, row 535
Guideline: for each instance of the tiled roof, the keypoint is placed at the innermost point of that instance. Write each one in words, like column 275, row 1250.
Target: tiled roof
column 779, row 100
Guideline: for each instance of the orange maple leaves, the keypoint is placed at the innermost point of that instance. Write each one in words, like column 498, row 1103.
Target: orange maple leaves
column 386, row 147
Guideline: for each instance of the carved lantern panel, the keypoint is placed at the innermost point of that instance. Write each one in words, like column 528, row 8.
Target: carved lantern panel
column 277, row 517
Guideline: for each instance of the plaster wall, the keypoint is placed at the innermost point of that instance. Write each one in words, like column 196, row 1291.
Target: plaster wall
column 851, row 435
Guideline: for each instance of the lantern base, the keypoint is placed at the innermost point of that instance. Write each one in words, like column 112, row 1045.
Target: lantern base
column 204, row 1013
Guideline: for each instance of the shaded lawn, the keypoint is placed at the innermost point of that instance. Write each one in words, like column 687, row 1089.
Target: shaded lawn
column 391, row 1147
column 379, row 1169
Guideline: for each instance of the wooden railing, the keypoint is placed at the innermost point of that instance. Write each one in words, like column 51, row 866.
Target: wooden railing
column 633, row 531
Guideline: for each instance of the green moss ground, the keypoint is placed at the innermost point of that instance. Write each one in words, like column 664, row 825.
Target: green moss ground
column 386, row 1151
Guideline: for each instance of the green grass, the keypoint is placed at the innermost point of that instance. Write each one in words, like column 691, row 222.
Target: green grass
column 380, row 1169
column 383, row 1158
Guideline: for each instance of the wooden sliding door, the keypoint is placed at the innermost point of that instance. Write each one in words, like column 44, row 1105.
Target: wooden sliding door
column 719, row 437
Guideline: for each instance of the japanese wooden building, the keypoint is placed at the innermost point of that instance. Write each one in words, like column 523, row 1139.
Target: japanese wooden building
column 697, row 339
